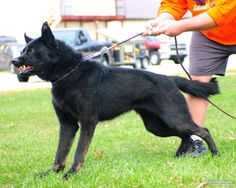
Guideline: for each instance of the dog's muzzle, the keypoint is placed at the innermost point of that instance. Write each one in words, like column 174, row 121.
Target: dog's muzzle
column 23, row 68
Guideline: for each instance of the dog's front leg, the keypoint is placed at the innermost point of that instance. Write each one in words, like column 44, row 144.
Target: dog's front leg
column 67, row 134
column 86, row 134
column 68, row 129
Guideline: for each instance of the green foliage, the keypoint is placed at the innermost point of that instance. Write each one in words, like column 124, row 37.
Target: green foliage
column 122, row 153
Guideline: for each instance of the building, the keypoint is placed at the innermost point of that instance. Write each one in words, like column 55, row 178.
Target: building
column 94, row 15
column 28, row 16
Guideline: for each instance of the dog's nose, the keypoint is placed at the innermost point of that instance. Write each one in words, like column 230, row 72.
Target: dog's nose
column 15, row 61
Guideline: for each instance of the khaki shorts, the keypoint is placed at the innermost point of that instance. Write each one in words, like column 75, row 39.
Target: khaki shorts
column 208, row 57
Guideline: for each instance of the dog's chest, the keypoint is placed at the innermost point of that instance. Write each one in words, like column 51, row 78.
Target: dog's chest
column 67, row 102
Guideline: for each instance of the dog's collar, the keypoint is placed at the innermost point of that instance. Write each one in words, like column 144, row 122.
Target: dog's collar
column 64, row 76
column 67, row 74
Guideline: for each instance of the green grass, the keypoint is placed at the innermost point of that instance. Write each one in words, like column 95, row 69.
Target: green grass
column 122, row 153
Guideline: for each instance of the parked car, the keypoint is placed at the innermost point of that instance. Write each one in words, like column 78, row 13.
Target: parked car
column 163, row 47
column 131, row 53
column 6, row 52
column 9, row 49
column 80, row 40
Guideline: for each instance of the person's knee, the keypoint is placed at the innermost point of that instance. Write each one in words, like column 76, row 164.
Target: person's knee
column 202, row 78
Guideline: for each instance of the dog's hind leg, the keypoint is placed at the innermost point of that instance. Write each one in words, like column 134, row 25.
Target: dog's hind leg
column 86, row 133
column 206, row 136
column 184, row 146
column 177, row 117
column 154, row 124
column 167, row 127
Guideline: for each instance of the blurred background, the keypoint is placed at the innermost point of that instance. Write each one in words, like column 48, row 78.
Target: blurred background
column 93, row 20
column 17, row 17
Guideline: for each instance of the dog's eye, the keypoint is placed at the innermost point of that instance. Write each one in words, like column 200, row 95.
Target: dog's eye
column 30, row 50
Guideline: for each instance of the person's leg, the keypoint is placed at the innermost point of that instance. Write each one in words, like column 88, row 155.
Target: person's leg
column 198, row 106
column 206, row 58
column 198, row 109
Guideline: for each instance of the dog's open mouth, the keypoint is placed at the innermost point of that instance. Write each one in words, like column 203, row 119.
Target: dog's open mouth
column 24, row 69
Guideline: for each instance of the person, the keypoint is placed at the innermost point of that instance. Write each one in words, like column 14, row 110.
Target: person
column 213, row 23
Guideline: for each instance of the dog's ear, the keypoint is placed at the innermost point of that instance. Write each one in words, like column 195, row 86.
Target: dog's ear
column 27, row 39
column 47, row 35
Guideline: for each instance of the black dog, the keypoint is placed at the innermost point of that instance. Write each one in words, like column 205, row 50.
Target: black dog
column 86, row 92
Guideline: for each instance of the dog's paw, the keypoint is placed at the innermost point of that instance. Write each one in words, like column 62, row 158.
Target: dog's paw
column 44, row 174
column 68, row 174
column 216, row 154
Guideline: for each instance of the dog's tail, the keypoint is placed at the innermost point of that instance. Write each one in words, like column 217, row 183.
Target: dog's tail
column 196, row 88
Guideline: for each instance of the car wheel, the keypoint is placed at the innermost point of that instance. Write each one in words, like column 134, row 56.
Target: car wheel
column 104, row 61
column 22, row 78
column 155, row 58
column 145, row 63
column 177, row 62
column 138, row 64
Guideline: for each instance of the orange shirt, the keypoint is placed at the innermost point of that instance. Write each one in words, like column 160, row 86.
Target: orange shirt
column 223, row 12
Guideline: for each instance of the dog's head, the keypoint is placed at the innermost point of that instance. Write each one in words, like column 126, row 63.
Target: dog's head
column 38, row 55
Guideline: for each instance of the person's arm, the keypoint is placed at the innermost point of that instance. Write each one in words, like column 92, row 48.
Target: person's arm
column 177, row 8
column 166, row 16
column 200, row 22
column 171, row 27
column 223, row 11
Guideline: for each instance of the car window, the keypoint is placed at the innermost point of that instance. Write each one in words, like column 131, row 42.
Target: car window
column 68, row 37
column 5, row 49
column 2, row 48
column 82, row 39
column 151, row 38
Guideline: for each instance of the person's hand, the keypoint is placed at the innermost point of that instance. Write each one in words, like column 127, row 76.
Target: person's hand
column 150, row 27
column 167, row 27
